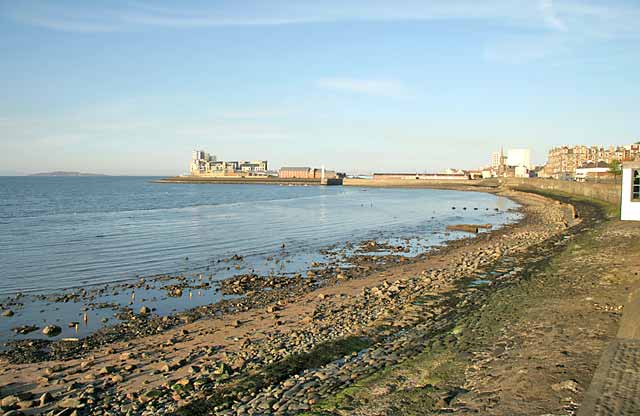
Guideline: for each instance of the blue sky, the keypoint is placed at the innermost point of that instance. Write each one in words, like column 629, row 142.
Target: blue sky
column 362, row 85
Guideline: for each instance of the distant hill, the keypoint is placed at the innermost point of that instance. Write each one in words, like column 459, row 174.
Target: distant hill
column 60, row 173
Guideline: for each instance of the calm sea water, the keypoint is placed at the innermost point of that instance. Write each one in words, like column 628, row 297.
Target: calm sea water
column 63, row 232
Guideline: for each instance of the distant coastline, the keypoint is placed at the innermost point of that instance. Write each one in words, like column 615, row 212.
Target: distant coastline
column 63, row 173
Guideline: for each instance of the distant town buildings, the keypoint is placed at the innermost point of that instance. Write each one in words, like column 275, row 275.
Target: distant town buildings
column 516, row 163
column 563, row 162
column 205, row 164
column 581, row 163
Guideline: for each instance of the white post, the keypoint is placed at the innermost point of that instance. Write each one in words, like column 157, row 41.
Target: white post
column 322, row 178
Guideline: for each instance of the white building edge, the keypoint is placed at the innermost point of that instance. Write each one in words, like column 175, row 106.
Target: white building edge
column 630, row 207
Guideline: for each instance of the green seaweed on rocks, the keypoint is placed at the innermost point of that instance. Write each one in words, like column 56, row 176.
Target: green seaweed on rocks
column 277, row 372
column 434, row 375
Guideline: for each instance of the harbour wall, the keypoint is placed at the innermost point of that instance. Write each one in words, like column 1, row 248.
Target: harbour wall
column 239, row 180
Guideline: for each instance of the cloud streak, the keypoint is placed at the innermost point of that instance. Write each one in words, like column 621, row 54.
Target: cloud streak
column 523, row 49
column 543, row 14
column 383, row 88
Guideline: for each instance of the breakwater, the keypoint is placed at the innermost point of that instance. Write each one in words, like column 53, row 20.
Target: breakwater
column 248, row 180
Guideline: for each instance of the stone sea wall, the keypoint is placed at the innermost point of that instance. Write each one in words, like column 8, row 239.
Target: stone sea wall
column 418, row 183
column 608, row 192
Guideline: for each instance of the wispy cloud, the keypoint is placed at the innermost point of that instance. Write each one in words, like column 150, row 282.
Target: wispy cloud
column 232, row 132
column 77, row 129
column 550, row 16
column 542, row 14
column 250, row 115
column 523, row 49
column 384, row 88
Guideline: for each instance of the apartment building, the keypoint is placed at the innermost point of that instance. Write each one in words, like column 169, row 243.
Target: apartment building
column 565, row 160
column 205, row 164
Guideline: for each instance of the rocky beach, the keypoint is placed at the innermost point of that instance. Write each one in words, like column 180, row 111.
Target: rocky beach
column 332, row 342
column 319, row 208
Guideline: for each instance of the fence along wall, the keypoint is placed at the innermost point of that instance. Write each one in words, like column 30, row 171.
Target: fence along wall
column 608, row 192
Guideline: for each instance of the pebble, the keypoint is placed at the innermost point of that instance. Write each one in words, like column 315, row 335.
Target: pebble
column 51, row 330
column 118, row 378
column 45, row 399
column 9, row 402
column 570, row 385
column 70, row 403
column 105, row 370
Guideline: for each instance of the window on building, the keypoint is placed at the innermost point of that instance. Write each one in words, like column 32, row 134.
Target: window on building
column 635, row 190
